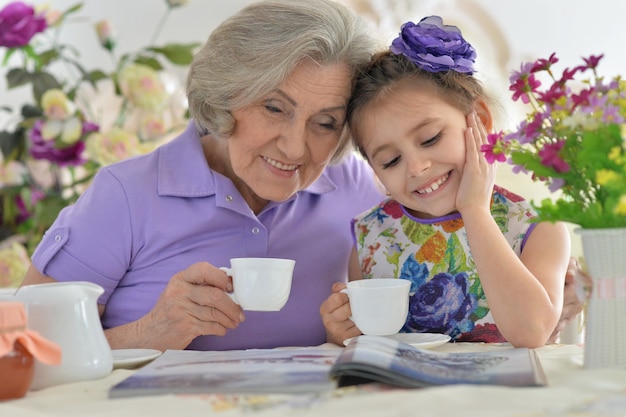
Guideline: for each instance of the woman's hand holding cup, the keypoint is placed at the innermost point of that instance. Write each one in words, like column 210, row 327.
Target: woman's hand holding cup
column 194, row 303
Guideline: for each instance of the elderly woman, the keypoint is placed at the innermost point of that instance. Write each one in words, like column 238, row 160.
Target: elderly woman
column 262, row 172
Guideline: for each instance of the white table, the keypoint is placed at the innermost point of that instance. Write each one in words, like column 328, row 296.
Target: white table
column 572, row 391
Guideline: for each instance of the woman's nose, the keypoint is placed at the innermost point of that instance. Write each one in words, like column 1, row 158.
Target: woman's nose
column 292, row 141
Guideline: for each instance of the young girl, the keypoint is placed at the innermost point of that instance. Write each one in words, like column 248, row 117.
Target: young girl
column 480, row 269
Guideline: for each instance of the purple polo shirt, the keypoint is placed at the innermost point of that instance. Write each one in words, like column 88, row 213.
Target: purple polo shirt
column 146, row 218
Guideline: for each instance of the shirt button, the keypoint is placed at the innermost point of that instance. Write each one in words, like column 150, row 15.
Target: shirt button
column 255, row 230
column 57, row 238
column 229, row 198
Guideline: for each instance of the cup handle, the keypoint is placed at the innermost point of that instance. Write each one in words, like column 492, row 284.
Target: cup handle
column 229, row 273
column 345, row 291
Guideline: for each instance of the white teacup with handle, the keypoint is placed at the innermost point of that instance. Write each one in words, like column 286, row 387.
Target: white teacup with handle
column 260, row 284
column 379, row 305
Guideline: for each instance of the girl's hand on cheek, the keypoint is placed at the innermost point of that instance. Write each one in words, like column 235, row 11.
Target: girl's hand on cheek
column 478, row 178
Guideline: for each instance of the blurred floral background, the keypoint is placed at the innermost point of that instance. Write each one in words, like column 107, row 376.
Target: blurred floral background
column 498, row 30
column 77, row 119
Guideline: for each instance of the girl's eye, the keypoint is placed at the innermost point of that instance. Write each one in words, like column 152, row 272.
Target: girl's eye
column 432, row 140
column 391, row 163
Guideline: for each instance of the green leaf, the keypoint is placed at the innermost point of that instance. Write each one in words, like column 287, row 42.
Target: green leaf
column 48, row 56
column 42, row 82
column 8, row 141
column 17, row 77
column 7, row 56
column 149, row 62
column 179, row 54
column 96, row 75
column 29, row 111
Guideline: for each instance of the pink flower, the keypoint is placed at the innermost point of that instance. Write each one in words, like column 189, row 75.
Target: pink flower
column 549, row 155
column 544, row 64
column 106, row 34
column 494, row 149
column 18, row 24
column 522, row 83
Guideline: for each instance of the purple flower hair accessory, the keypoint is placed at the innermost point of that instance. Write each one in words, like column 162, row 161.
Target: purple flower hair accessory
column 435, row 47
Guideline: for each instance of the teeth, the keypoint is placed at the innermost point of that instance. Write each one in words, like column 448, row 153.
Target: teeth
column 433, row 187
column 279, row 165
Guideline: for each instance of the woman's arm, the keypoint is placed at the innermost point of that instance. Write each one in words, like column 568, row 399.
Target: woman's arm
column 194, row 303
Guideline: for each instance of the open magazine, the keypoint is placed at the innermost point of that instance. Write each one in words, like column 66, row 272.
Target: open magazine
column 379, row 359
column 284, row 370
column 322, row 369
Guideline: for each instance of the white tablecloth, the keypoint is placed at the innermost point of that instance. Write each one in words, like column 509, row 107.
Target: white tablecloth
column 572, row 391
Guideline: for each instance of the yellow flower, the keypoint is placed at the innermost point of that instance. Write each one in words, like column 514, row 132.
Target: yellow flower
column 56, row 105
column 114, row 145
column 615, row 153
column 142, row 86
column 14, row 262
column 620, row 208
column 605, row 176
column 12, row 173
column 53, row 16
column 67, row 131
column 152, row 125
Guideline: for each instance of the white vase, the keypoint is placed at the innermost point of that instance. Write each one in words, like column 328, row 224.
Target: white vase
column 605, row 333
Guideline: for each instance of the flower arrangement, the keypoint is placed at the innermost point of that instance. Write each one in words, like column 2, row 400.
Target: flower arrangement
column 573, row 140
column 79, row 119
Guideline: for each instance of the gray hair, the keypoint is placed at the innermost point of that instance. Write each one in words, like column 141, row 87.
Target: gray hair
column 254, row 51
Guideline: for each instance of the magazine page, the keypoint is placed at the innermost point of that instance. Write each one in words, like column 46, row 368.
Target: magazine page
column 372, row 358
column 288, row 370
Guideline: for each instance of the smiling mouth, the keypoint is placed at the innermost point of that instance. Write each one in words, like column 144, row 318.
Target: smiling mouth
column 434, row 186
column 280, row 165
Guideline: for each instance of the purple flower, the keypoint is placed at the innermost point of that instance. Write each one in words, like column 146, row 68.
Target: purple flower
column 556, row 184
column 41, row 148
column 442, row 305
column 435, row 47
column 18, row 24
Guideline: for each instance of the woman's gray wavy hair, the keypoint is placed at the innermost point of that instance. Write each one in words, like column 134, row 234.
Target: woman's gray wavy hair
column 254, row 51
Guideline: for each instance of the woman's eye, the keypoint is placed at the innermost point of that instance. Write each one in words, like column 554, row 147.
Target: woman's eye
column 333, row 125
column 391, row 163
column 272, row 109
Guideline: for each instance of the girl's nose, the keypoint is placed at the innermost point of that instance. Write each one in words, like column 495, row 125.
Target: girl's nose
column 417, row 165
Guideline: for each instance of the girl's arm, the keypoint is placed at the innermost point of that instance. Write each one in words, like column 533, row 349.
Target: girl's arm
column 335, row 311
column 525, row 294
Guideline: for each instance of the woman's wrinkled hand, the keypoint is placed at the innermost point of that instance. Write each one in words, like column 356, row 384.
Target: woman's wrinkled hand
column 575, row 295
column 194, row 303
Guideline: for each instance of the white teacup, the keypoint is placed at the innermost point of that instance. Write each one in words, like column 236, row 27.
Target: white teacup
column 260, row 284
column 379, row 305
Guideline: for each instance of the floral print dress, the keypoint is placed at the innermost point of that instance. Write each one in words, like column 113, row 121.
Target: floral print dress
column 434, row 254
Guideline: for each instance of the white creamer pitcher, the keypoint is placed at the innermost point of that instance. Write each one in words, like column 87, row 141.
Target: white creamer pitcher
column 67, row 313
